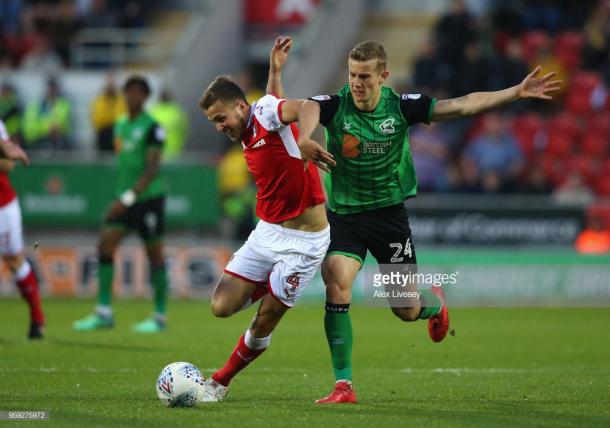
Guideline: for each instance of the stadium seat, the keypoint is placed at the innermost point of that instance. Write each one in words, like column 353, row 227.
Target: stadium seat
column 531, row 42
column 594, row 145
column 560, row 146
column 602, row 187
column 585, row 82
column 599, row 125
column 568, row 47
column 554, row 169
column 605, row 167
column 579, row 102
column 586, row 166
column 526, row 128
column 565, row 123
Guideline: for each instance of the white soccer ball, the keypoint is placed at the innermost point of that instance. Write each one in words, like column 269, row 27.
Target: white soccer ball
column 178, row 384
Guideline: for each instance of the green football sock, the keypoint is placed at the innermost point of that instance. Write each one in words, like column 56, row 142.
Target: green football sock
column 431, row 304
column 159, row 282
column 338, row 327
column 105, row 275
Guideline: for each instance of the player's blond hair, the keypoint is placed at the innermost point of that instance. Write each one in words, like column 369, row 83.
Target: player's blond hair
column 223, row 89
column 366, row 51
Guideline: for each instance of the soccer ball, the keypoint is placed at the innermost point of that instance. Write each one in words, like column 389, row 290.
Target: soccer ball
column 178, row 384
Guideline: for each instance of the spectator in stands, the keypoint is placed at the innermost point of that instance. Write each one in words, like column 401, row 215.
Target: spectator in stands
column 431, row 75
column 99, row 15
column 431, row 150
column 473, row 72
column 46, row 124
column 105, row 110
column 494, row 159
column 595, row 238
column 64, row 27
column 535, row 180
column 453, row 32
column 172, row 117
column 510, row 67
column 543, row 15
column 10, row 12
column 573, row 191
column 42, row 57
column 597, row 36
column 10, row 111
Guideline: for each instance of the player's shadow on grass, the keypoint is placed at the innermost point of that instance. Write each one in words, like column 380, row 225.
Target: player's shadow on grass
column 110, row 346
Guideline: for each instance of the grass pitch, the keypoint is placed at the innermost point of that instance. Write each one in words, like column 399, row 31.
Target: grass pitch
column 504, row 367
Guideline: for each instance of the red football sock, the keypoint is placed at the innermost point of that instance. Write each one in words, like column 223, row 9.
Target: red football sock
column 28, row 287
column 242, row 356
column 259, row 293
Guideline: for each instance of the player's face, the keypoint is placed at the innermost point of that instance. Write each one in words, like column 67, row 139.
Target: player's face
column 365, row 79
column 135, row 97
column 229, row 118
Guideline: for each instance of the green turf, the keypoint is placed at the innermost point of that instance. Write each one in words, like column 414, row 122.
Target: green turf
column 504, row 367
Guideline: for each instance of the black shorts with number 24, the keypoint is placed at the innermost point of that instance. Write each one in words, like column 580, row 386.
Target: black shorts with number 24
column 385, row 232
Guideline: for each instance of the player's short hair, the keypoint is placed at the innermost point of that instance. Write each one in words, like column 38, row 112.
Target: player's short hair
column 365, row 51
column 223, row 89
column 137, row 80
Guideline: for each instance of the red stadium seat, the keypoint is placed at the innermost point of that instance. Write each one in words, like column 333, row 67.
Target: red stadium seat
column 565, row 123
column 554, row 169
column 585, row 82
column 599, row 125
column 526, row 128
column 605, row 167
column 579, row 102
column 587, row 167
column 602, row 186
column 594, row 145
column 560, row 146
column 531, row 43
column 568, row 47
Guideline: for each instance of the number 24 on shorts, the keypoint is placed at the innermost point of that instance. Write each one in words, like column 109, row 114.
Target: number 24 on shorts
column 397, row 257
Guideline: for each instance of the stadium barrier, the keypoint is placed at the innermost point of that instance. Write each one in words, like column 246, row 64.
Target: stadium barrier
column 78, row 194
column 483, row 276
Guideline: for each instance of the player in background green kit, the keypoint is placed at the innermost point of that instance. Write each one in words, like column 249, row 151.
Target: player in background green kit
column 366, row 126
column 139, row 205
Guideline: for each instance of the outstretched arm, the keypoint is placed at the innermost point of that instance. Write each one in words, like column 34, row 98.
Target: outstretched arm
column 277, row 59
column 531, row 87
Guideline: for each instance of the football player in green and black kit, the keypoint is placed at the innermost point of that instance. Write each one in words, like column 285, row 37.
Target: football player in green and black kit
column 366, row 126
column 139, row 206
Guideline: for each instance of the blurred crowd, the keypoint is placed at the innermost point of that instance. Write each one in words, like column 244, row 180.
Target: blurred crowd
column 559, row 148
column 36, row 34
column 44, row 126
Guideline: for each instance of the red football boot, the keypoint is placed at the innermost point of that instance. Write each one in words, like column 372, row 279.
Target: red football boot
column 438, row 325
column 343, row 393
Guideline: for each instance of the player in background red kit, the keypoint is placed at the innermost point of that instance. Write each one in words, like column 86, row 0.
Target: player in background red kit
column 283, row 253
column 11, row 236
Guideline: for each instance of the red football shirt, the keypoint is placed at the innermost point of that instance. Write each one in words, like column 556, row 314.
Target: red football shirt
column 285, row 187
column 7, row 193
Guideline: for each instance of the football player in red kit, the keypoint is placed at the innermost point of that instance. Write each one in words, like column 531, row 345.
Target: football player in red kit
column 283, row 253
column 11, row 237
